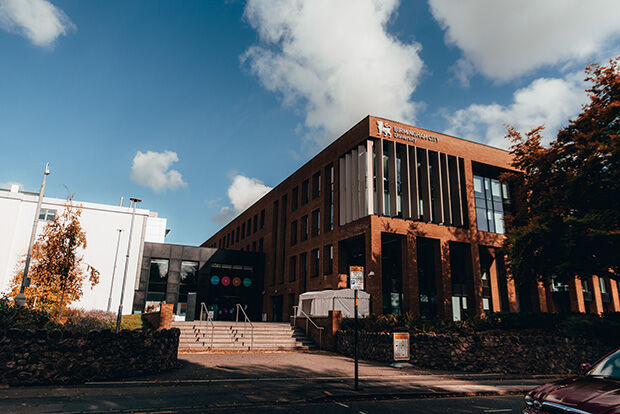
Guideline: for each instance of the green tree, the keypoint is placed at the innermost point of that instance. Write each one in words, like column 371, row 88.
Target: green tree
column 568, row 222
column 57, row 271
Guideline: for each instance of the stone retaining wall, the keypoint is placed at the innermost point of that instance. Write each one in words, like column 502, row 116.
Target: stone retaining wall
column 517, row 353
column 29, row 357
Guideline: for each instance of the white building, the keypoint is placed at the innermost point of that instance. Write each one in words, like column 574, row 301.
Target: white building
column 100, row 222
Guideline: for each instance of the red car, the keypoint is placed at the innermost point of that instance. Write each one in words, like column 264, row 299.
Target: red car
column 595, row 392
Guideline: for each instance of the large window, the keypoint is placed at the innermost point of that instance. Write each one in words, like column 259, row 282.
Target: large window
column 328, row 259
column 188, row 282
column 158, row 279
column 314, row 263
column 305, row 192
column 292, row 268
column 304, row 228
column 316, row 185
column 295, row 199
column 316, row 222
column 492, row 203
column 329, row 198
column 294, row 233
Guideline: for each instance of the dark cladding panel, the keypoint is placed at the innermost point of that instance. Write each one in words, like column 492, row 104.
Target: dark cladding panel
column 435, row 173
column 413, row 183
column 463, row 186
column 455, row 191
column 425, row 185
column 404, row 181
column 445, row 189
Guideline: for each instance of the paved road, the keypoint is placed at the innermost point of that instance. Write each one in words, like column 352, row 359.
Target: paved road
column 503, row 404
column 266, row 381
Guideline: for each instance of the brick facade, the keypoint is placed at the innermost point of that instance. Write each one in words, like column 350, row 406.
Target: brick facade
column 436, row 196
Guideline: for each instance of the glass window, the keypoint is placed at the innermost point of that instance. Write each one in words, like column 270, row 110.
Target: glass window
column 496, row 189
column 304, row 228
column 316, row 185
column 485, row 304
column 294, row 233
column 295, row 199
column 314, row 263
column 262, row 219
column 292, row 268
column 158, row 279
column 47, row 214
column 303, row 265
column 305, row 192
column 478, row 185
column 188, row 283
column 328, row 259
column 601, row 282
column 316, row 223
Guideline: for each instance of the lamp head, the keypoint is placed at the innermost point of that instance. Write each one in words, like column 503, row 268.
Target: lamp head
column 47, row 169
column 135, row 200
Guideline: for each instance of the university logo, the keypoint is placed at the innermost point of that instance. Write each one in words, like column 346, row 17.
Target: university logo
column 384, row 129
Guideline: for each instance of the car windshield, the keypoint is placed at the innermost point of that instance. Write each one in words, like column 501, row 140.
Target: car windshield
column 608, row 368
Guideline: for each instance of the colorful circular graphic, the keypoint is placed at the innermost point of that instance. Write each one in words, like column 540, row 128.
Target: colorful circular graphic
column 215, row 280
column 236, row 282
column 247, row 282
column 225, row 281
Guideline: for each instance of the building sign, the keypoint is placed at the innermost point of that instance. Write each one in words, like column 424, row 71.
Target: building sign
column 401, row 346
column 247, row 282
column 356, row 276
column 384, row 129
column 225, row 281
column 215, row 280
column 236, row 282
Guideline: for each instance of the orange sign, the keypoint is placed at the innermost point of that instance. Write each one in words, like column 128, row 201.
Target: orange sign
column 401, row 346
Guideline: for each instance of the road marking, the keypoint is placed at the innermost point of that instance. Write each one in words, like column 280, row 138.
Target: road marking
column 499, row 410
column 342, row 405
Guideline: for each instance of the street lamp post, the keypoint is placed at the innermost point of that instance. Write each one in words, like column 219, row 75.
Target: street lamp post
column 118, row 242
column 20, row 299
column 120, row 306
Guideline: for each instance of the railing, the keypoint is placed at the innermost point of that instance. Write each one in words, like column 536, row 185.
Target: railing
column 246, row 320
column 204, row 311
column 319, row 328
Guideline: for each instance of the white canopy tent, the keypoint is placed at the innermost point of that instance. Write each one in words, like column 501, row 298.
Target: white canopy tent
column 319, row 303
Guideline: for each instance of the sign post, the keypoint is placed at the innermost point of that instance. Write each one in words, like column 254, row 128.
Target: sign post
column 356, row 276
column 355, row 343
column 401, row 348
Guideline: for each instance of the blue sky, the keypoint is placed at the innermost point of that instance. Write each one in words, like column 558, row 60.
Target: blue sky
column 197, row 107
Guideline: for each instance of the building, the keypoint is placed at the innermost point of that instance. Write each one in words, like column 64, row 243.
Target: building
column 100, row 222
column 421, row 212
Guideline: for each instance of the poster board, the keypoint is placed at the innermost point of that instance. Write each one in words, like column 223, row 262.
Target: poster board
column 356, row 276
column 401, row 346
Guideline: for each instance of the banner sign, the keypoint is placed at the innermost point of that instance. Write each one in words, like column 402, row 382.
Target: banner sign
column 401, row 346
column 356, row 276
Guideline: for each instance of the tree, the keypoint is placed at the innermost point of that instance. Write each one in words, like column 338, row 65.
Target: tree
column 568, row 223
column 57, row 271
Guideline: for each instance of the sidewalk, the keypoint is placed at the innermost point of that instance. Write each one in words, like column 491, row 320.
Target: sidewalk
column 245, row 379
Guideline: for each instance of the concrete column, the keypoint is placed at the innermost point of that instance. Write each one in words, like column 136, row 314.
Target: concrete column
column 615, row 295
column 575, row 292
column 477, row 280
column 392, row 178
column 361, row 181
column 341, row 191
column 354, row 185
column 413, row 182
column 379, row 157
column 348, row 188
column 597, row 301
column 373, row 264
column 405, row 188
column 369, row 176
column 426, row 186
column 444, row 282
column 511, row 289
column 540, row 297
column 496, row 302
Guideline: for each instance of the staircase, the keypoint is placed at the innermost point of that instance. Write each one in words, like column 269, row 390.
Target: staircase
column 229, row 336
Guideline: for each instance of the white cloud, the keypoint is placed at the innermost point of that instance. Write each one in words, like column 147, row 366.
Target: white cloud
column 38, row 20
column 335, row 58
column 242, row 193
column 548, row 101
column 152, row 169
column 504, row 39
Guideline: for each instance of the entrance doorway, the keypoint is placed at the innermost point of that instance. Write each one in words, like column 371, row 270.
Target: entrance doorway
column 428, row 261
column 276, row 307
column 392, row 273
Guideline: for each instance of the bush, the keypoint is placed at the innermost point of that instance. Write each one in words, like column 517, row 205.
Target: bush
column 19, row 317
column 135, row 322
column 86, row 320
column 605, row 328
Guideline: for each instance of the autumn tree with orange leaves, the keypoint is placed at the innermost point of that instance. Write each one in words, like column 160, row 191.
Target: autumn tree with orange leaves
column 568, row 222
column 57, row 270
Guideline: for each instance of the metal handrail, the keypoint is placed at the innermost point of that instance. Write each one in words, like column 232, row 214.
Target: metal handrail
column 319, row 328
column 203, row 311
column 246, row 320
